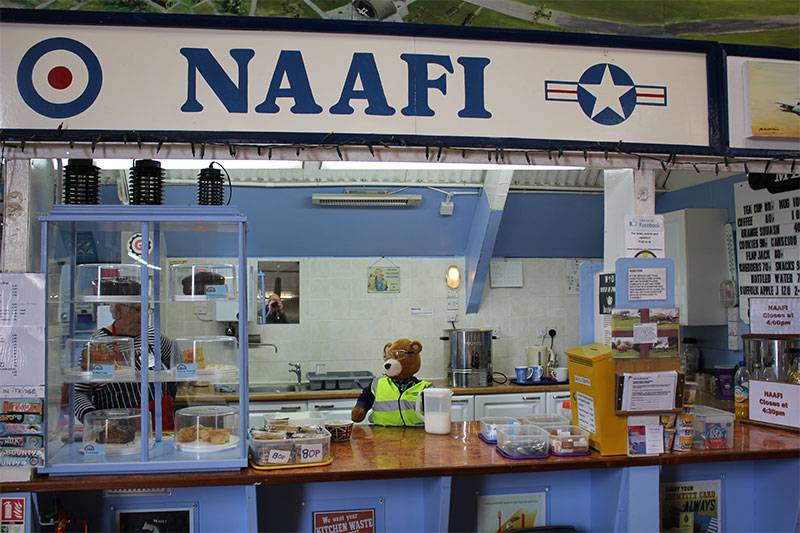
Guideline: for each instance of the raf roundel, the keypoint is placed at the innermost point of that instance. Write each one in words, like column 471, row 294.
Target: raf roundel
column 59, row 78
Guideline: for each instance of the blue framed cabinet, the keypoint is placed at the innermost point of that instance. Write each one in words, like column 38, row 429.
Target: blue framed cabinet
column 138, row 430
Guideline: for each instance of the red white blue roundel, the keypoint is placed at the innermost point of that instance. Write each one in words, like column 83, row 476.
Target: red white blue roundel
column 606, row 93
column 59, row 77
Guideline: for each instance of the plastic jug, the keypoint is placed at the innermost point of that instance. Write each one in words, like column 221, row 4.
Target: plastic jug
column 437, row 410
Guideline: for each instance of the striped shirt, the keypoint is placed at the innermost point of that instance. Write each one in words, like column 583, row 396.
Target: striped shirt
column 93, row 396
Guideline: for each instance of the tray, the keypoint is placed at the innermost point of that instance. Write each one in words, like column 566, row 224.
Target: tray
column 487, row 441
column 542, row 382
column 255, row 466
column 340, row 380
column 504, row 454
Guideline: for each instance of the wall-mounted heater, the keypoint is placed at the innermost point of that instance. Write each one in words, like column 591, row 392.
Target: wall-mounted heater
column 364, row 198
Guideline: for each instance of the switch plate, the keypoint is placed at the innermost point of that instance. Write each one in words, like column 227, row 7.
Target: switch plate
column 496, row 333
column 200, row 308
column 452, row 304
column 452, row 316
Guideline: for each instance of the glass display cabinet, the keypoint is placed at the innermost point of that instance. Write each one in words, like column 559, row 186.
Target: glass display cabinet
column 108, row 412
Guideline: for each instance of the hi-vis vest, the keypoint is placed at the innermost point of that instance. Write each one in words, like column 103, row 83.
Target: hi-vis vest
column 392, row 408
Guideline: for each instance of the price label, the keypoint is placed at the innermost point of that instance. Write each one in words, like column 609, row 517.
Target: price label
column 94, row 451
column 311, row 453
column 216, row 292
column 186, row 371
column 102, row 371
column 278, row 456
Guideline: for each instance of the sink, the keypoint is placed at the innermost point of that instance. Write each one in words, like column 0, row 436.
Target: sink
column 277, row 388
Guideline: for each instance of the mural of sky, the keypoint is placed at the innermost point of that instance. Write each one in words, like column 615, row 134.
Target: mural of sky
column 763, row 23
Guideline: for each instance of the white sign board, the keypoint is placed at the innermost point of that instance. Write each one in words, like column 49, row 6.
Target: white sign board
column 776, row 403
column 773, row 316
column 215, row 81
column 644, row 236
column 647, row 284
column 767, row 248
column 22, row 342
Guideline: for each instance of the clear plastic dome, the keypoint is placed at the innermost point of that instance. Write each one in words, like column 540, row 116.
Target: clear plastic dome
column 108, row 283
column 203, row 282
column 113, row 432
column 213, row 357
column 101, row 359
column 206, row 428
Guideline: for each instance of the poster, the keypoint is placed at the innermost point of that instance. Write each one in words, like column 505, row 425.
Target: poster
column 350, row 521
column 503, row 512
column 691, row 506
column 626, row 332
column 767, row 250
column 161, row 520
column 774, row 102
column 383, row 279
column 607, row 292
column 644, row 236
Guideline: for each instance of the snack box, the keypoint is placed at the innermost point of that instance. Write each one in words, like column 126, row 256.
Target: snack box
column 489, row 426
column 713, row 428
column 192, row 282
column 273, row 446
column 523, row 441
column 546, row 420
column 567, row 440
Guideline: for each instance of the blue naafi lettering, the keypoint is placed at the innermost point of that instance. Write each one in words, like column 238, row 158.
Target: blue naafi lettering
column 363, row 65
column 233, row 97
column 290, row 63
column 473, row 87
column 419, row 83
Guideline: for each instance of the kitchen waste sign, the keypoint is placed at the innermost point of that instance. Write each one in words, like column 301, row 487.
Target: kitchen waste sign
column 351, row 521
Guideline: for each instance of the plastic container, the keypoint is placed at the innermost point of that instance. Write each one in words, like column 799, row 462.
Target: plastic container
column 568, row 440
column 523, row 441
column 303, row 418
column 205, row 358
column 713, row 428
column 489, row 425
column 115, row 282
column 101, row 359
column 723, row 377
column 276, row 447
column 741, row 391
column 546, row 420
column 202, row 282
column 110, row 432
column 206, row 428
column 339, row 380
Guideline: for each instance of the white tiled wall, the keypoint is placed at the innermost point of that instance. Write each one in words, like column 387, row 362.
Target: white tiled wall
column 346, row 328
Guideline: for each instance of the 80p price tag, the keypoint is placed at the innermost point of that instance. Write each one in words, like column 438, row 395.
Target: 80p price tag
column 278, row 456
column 311, row 453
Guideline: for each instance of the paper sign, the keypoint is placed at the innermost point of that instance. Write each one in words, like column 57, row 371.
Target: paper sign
column 654, row 436
column 776, row 403
column 102, row 371
column 645, row 333
column 311, row 453
column 186, row 371
column 644, row 236
column 94, row 451
column 649, row 391
column 775, row 316
column 647, row 284
column 585, row 412
column 508, row 512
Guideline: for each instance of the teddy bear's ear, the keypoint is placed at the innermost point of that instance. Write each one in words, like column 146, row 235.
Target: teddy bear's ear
column 416, row 347
column 386, row 348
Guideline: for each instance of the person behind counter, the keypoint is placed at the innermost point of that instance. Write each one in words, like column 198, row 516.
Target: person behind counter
column 275, row 315
column 91, row 396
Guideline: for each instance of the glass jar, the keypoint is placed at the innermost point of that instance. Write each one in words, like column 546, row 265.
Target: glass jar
column 690, row 357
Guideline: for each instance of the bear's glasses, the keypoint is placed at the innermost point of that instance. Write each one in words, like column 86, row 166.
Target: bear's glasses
column 398, row 353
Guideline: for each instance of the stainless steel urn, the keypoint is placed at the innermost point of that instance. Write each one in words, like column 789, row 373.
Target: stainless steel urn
column 468, row 357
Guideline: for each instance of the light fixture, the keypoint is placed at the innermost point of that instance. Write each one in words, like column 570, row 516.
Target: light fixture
column 416, row 165
column 453, row 277
column 366, row 198
column 197, row 164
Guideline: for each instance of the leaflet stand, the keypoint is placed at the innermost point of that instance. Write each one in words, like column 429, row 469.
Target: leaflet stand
column 659, row 364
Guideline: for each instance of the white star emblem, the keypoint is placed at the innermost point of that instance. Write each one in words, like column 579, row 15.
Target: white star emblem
column 607, row 94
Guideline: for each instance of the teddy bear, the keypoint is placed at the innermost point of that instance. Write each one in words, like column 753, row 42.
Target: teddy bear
column 393, row 397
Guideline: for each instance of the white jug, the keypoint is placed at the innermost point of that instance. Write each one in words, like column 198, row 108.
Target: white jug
column 539, row 355
column 437, row 410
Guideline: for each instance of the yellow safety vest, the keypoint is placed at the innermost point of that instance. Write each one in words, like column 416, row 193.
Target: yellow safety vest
column 392, row 408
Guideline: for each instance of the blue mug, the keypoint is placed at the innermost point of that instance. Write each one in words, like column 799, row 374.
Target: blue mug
column 536, row 372
column 523, row 373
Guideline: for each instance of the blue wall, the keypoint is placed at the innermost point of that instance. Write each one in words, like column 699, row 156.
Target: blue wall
column 712, row 340
column 282, row 222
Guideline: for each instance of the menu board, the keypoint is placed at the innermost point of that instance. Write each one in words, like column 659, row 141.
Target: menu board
column 767, row 250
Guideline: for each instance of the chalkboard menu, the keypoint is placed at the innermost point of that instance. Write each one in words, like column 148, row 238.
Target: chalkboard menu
column 767, row 249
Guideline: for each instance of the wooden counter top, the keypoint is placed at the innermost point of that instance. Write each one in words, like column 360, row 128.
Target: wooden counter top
column 207, row 394
column 375, row 452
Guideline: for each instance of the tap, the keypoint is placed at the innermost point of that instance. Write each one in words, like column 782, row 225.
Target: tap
column 268, row 344
column 295, row 368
